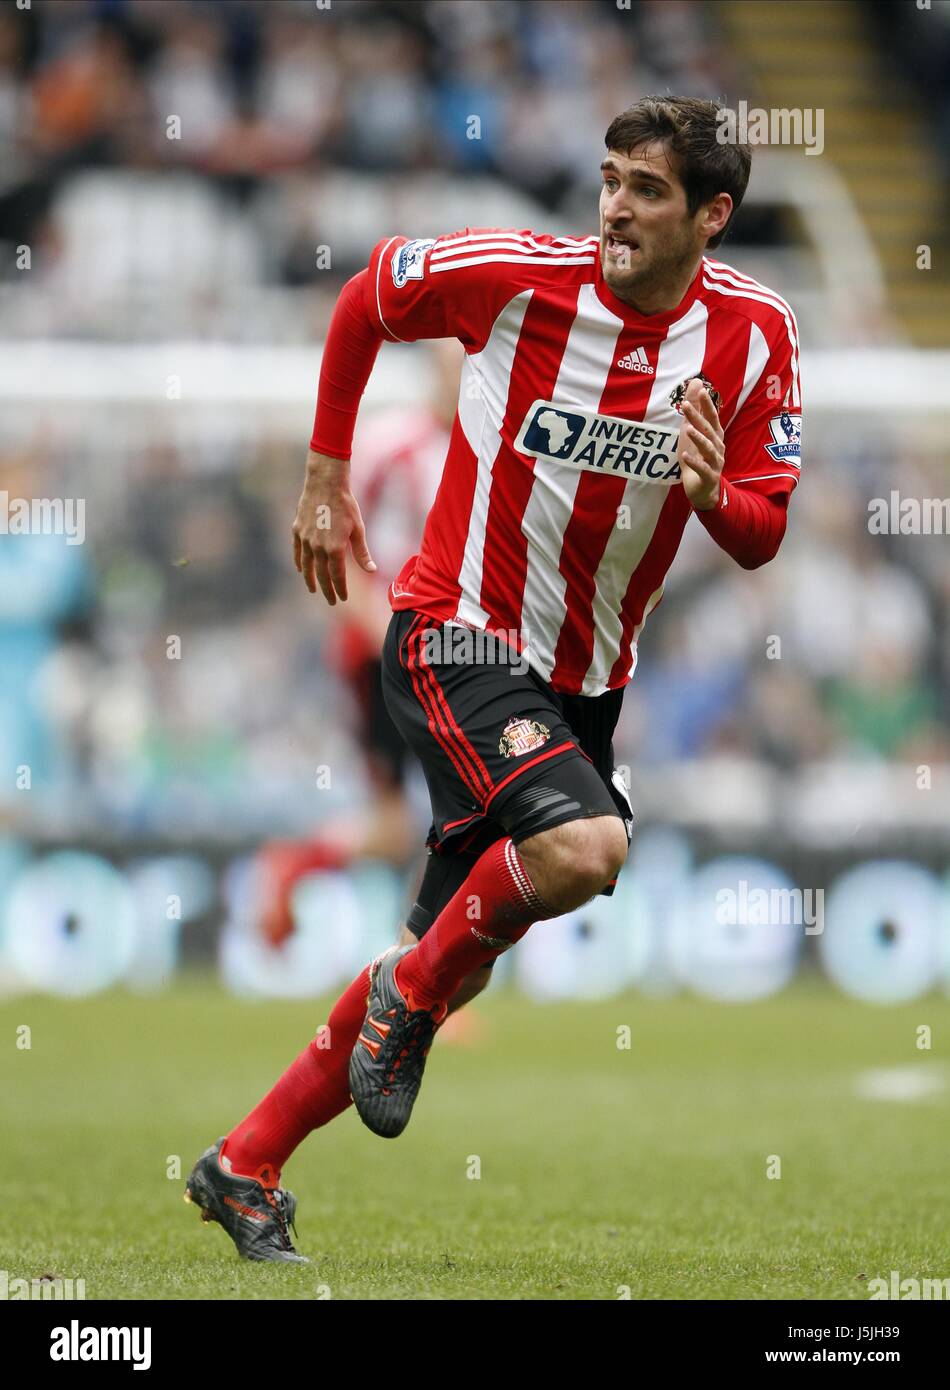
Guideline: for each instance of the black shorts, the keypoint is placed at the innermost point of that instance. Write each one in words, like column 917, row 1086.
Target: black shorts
column 502, row 752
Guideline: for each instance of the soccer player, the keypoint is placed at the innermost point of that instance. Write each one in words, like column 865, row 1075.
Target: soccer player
column 613, row 387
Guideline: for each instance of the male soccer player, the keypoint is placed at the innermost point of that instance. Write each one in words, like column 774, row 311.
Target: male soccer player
column 612, row 387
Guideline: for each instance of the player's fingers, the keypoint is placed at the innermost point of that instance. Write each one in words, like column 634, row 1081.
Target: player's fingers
column 297, row 553
column 694, row 460
column 322, row 565
column 361, row 550
column 695, row 422
column 337, row 565
column 707, row 447
column 307, row 566
column 711, row 428
column 708, row 477
column 698, row 397
column 708, row 408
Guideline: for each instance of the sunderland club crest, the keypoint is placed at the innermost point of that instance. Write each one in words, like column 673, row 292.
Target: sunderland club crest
column 521, row 736
column 678, row 396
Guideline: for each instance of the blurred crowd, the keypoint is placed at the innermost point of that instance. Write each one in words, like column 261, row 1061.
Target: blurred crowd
column 155, row 154
column 259, row 87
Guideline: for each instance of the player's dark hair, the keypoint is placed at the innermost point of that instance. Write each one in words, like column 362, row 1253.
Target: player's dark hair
column 688, row 127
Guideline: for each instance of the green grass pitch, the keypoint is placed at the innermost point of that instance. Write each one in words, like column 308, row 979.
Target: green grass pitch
column 602, row 1169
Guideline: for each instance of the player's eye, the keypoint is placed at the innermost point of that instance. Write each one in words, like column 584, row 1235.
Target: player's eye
column 648, row 189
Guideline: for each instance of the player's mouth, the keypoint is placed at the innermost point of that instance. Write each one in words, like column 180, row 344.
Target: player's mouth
column 620, row 248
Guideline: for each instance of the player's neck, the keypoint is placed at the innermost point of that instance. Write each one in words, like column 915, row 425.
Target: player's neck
column 663, row 296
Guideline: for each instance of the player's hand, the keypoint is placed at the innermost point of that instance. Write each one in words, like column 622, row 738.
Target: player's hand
column 701, row 448
column 328, row 520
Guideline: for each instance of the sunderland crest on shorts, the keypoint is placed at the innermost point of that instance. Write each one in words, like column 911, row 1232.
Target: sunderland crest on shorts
column 521, row 736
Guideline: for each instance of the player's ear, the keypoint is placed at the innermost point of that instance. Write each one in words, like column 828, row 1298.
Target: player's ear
column 716, row 214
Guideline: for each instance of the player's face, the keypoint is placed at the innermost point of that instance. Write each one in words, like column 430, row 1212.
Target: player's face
column 647, row 238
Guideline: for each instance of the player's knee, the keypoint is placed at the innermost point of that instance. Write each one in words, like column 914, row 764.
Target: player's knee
column 571, row 863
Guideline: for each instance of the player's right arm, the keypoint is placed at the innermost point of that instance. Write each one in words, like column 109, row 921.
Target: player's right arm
column 328, row 521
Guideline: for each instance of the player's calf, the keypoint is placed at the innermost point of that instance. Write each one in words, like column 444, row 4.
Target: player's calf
column 470, row 988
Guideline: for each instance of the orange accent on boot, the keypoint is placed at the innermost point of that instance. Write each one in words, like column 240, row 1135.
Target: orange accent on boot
column 266, row 1174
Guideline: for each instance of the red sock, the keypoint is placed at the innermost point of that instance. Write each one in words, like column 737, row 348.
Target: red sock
column 492, row 910
column 312, row 1091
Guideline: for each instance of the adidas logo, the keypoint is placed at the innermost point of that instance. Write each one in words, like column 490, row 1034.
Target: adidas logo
column 636, row 361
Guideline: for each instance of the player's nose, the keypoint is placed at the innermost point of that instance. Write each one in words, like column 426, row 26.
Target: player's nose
column 617, row 219
column 617, row 206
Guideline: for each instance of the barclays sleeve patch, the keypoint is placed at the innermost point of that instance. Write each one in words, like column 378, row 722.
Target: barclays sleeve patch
column 408, row 262
column 786, row 446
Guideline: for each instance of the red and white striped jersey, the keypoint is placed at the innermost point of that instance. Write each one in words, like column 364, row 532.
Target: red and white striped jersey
column 560, row 507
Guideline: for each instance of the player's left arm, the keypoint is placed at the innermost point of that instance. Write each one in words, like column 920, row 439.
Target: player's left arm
column 739, row 477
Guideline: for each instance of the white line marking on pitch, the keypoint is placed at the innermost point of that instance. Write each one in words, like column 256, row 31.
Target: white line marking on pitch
column 901, row 1083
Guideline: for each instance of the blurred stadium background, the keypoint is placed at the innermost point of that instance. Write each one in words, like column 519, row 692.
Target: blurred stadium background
column 164, row 291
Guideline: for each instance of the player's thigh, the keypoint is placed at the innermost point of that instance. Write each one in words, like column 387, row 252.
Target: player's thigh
column 477, row 725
